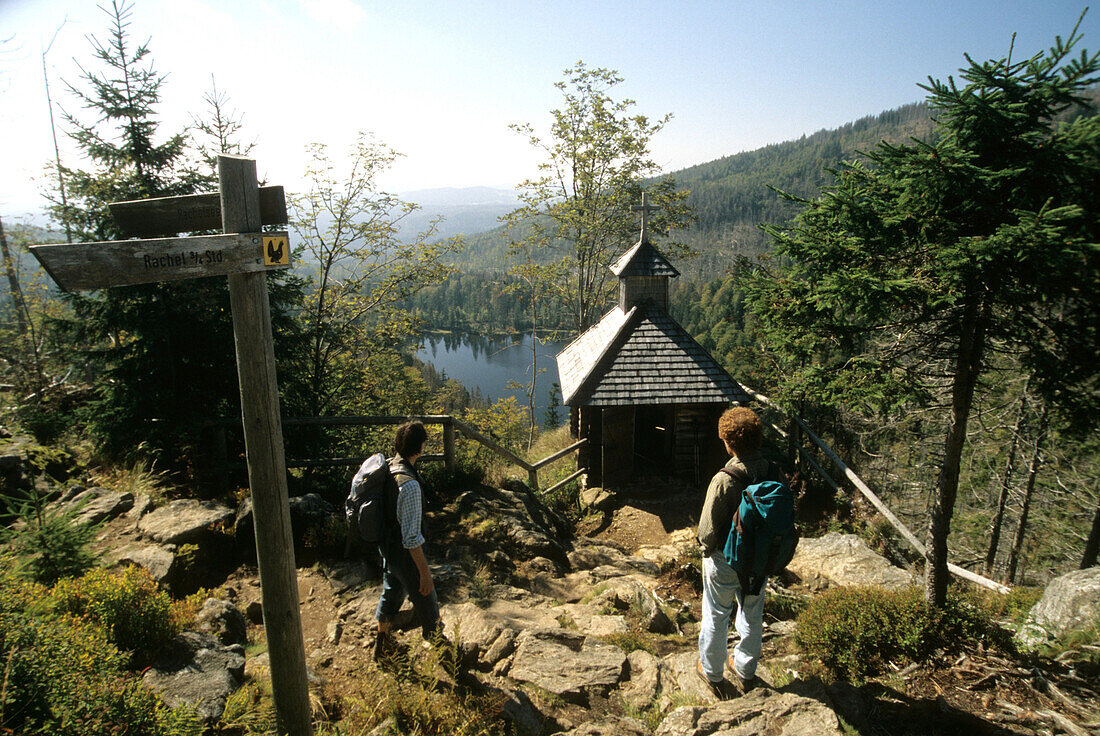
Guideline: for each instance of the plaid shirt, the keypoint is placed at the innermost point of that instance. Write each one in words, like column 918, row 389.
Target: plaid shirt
column 409, row 513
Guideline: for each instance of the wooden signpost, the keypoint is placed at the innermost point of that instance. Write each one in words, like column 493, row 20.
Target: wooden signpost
column 245, row 255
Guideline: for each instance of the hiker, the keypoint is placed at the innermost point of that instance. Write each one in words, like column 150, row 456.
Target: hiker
column 740, row 429
column 406, row 570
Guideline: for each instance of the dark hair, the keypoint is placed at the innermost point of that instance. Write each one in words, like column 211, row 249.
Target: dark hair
column 741, row 428
column 410, row 439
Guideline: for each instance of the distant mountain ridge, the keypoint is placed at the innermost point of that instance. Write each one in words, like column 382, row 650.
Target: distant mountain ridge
column 733, row 194
column 465, row 210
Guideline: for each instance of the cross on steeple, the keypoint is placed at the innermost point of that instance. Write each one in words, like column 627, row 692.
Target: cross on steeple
column 645, row 208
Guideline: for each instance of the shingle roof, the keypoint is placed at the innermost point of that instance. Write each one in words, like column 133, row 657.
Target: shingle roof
column 649, row 359
column 579, row 357
column 643, row 260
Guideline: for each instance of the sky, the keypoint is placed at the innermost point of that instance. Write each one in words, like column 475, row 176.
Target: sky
column 440, row 82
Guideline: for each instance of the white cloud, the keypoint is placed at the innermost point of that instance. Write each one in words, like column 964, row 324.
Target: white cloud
column 342, row 14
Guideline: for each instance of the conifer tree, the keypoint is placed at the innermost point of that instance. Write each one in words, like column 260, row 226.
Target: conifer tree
column 160, row 356
column 897, row 283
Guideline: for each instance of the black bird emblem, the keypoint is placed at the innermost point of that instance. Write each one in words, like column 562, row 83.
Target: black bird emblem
column 275, row 250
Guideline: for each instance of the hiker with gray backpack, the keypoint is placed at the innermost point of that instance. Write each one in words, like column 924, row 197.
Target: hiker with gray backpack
column 746, row 532
column 386, row 507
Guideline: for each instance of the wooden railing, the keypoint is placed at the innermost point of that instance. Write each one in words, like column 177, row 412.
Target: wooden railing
column 449, row 423
column 864, row 489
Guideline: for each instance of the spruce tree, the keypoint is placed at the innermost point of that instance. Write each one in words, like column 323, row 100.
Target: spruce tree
column 159, row 356
column 897, row 284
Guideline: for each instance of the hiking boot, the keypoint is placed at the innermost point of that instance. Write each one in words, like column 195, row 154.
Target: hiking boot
column 717, row 688
column 743, row 686
column 385, row 644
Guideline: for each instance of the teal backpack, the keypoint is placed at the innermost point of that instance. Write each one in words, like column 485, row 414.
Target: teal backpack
column 762, row 538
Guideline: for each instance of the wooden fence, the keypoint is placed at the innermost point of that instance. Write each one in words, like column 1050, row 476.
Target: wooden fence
column 449, row 423
column 864, row 489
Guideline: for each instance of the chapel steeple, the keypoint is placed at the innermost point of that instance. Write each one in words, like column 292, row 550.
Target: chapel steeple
column 643, row 271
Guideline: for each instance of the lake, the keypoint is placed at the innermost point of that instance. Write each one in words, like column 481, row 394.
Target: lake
column 489, row 363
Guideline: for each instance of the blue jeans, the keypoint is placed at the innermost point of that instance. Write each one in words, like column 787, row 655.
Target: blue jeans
column 401, row 579
column 721, row 592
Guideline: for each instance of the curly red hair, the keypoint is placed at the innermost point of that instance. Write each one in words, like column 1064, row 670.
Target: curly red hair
column 741, row 429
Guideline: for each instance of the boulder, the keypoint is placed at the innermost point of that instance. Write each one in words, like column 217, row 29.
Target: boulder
column 839, row 560
column 96, row 505
column 596, row 499
column 198, row 672
column 566, row 663
column 1069, row 603
column 609, row 725
column 310, row 517
column 183, row 521
column 761, row 711
column 643, row 669
column 159, row 562
column 530, row 527
column 628, row 594
column 594, row 556
column 222, row 619
column 679, row 679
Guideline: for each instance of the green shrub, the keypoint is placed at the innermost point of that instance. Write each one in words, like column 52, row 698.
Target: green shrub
column 63, row 675
column 852, row 633
column 50, row 545
column 138, row 616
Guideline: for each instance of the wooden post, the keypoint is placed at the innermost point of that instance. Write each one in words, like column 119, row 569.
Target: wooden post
column 449, row 446
column 263, row 439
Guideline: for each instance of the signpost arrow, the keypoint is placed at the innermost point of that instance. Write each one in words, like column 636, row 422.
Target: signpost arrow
column 82, row 266
column 149, row 218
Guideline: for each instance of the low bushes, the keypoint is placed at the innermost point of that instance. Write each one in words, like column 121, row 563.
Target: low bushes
column 138, row 616
column 65, row 675
column 853, row 633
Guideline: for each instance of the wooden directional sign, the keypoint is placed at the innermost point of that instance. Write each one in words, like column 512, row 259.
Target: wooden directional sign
column 81, row 266
column 150, row 218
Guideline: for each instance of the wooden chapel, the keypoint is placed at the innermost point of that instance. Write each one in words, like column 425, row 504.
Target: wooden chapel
column 644, row 393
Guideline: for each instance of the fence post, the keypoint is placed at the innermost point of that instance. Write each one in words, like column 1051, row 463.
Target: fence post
column 449, row 445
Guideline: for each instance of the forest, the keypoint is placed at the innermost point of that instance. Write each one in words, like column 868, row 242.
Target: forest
column 922, row 287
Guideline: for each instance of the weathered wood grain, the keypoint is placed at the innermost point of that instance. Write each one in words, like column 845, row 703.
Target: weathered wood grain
column 150, row 218
column 82, row 266
column 263, row 439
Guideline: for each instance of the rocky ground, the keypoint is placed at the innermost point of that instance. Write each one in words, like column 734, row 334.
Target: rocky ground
column 582, row 631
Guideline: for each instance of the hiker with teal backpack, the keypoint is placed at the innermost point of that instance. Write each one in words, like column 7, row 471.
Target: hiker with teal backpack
column 746, row 532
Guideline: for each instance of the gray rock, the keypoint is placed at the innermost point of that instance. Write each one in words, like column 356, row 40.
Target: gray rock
column 502, row 647
column 183, row 521
column 594, row 556
column 630, row 594
column 566, row 663
column 98, row 505
column 530, row 527
column 199, row 673
column 159, row 562
column 309, row 515
column 640, row 691
column 597, row 499
column 254, row 611
column 761, row 711
column 678, row 676
column 1069, row 603
column 610, row 726
column 844, row 560
column 224, row 620
column 477, row 628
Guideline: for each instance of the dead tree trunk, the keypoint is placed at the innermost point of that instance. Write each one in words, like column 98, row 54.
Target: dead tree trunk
column 1092, row 546
column 1029, row 490
column 1002, row 498
column 13, row 285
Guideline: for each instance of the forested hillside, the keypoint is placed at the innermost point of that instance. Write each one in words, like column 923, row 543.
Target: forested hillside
column 734, row 194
